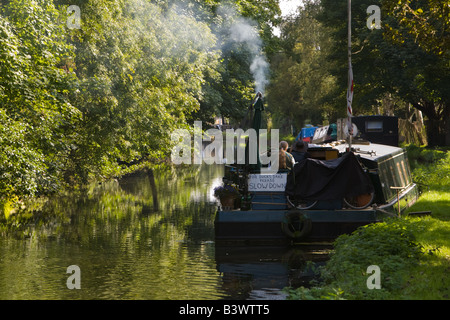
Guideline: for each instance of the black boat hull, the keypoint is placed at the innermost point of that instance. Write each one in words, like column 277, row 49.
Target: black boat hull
column 266, row 226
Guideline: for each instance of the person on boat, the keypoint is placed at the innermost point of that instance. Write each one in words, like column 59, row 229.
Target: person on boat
column 285, row 159
column 299, row 151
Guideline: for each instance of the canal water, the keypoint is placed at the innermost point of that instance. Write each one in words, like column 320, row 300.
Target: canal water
column 133, row 239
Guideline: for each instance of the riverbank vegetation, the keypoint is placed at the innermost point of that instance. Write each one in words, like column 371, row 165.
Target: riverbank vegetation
column 412, row 252
column 87, row 94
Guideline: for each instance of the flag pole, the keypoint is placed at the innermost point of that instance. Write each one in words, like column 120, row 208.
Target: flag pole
column 350, row 78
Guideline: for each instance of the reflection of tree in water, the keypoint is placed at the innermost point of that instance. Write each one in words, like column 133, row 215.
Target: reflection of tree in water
column 133, row 211
column 125, row 247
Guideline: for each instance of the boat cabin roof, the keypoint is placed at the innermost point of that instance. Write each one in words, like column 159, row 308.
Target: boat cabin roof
column 370, row 151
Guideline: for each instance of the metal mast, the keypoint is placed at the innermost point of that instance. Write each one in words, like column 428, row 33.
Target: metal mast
column 350, row 76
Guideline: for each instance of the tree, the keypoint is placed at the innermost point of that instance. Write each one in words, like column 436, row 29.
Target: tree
column 427, row 23
column 76, row 104
column 80, row 104
column 390, row 61
column 141, row 71
column 37, row 117
column 244, row 37
column 302, row 84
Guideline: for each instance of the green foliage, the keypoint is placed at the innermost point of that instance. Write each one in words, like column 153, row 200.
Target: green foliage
column 402, row 64
column 230, row 89
column 422, row 155
column 428, row 21
column 301, row 86
column 84, row 104
column 139, row 80
column 430, row 167
column 391, row 245
column 22, row 167
column 384, row 65
column 36, row 113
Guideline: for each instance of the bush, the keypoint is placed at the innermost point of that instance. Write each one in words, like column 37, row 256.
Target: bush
column 431, row 169
column 423, row 156
column 389, row 245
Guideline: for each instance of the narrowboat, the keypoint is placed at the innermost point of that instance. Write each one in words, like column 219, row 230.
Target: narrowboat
column 333, row 192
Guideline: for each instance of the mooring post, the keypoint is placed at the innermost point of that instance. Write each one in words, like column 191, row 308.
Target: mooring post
column 398, row 189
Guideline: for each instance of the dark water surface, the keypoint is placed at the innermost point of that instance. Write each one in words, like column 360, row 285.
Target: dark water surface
column 134, row 242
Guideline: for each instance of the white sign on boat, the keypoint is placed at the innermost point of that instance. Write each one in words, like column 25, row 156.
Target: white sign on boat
column 267, row 182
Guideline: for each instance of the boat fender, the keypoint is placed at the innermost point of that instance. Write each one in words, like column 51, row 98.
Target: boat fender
column 296, row 225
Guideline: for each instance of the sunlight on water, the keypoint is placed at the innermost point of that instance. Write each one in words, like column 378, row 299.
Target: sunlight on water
column 130, row 245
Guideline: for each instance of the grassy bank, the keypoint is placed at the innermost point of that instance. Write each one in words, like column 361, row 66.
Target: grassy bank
column 413, row 253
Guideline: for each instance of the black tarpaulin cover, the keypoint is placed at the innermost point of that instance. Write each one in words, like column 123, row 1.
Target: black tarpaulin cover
column 335, row 179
